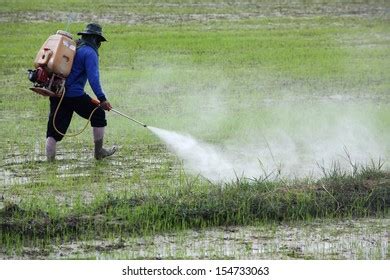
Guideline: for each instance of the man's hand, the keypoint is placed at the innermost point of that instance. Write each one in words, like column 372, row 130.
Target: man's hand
column 106, row 105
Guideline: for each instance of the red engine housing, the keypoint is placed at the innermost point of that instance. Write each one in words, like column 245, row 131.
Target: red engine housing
column 42, row 77
column 47, row 84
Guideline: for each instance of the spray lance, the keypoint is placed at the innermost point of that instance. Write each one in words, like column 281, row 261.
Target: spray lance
column 97, row 103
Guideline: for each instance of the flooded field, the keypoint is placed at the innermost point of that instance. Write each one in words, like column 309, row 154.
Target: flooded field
column 273, row 120
column 322, row 239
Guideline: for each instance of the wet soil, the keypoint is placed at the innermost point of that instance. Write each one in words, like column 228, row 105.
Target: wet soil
column 169, row 13
column 325, row 239
column 22, row 168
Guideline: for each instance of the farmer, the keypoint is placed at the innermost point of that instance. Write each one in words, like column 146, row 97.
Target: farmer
column 85, row 66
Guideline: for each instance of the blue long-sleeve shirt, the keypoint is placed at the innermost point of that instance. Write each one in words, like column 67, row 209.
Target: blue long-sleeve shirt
column 85, row 67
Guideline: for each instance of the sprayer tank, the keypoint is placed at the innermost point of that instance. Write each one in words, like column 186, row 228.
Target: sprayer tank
column 57, row 53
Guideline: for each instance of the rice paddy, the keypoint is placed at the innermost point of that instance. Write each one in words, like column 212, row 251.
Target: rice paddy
column 297, row 94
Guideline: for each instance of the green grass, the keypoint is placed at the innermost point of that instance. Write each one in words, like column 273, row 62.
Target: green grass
column 146, row 68
column 311, row 76
column 181, row 7
column 195, row 204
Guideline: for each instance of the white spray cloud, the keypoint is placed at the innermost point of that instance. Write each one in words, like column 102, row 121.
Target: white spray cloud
column 198, row 157
column 284, row 133
column 277, row 152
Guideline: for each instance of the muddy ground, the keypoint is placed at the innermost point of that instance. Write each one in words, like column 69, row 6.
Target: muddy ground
column 321, row 239
column 170, row 13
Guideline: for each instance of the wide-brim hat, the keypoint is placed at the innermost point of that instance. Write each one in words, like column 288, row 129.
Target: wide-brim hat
column 93, row 29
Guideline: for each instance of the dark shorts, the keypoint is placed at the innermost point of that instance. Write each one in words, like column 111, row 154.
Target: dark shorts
column 81, row 105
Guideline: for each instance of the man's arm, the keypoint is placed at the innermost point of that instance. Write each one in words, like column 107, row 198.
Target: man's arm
column 92, row 68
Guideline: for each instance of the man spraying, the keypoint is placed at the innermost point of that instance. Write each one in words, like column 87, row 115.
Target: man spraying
column 85, row 67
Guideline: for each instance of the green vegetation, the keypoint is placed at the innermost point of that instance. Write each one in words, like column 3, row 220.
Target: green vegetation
column 184, row 7
column 196, row 205
column 256, row 69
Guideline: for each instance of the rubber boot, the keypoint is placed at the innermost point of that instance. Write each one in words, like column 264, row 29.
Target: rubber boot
column 51, row 144
column 101, row 152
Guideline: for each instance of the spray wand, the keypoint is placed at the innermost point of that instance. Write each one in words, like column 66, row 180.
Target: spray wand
column 126, row 116
column 97, row 103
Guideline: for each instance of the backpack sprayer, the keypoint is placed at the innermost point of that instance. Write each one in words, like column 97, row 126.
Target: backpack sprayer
column 53, row 64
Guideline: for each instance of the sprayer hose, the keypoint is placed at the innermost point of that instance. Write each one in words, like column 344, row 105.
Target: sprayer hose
column 74, row 134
